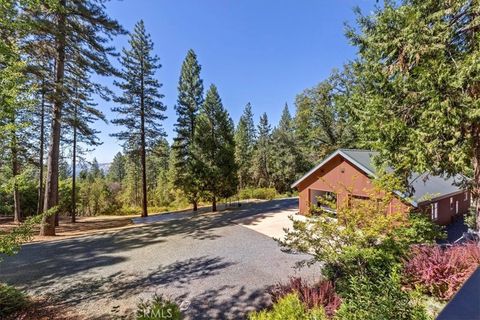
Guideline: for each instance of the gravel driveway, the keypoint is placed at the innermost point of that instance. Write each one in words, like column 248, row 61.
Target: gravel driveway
column 209, row 262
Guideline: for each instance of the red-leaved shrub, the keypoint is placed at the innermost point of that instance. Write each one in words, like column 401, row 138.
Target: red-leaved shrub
column 441, row 271
column 319, row 294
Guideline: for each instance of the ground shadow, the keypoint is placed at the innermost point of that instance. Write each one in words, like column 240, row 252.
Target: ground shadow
column 121, row 285
column 202, row 226
column 73, row 268
column 227, row 302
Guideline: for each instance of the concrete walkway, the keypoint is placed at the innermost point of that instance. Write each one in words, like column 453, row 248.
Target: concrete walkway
column 272, row 224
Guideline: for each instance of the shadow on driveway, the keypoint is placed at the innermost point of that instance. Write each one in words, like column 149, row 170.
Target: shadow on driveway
column 221, row 267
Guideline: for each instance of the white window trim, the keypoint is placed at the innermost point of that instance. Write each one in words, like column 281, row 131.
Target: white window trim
column 434, row 211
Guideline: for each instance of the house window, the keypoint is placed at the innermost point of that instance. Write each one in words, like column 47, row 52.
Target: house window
column 434, row 213
column 451, row 203
column 456, row 207
column 466, row 196
column 356, row 201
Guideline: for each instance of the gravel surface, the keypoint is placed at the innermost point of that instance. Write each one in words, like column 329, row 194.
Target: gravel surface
column 208, row 263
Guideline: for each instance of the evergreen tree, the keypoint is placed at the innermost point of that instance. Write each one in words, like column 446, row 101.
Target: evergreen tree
column 130, row 185
column 215, row 149
column 190, row 98
column 80, row 114
column 263, row 152
column 244, row 146
column 286, row 156
column 40, row 130
column 159, row 187
column 69, row 29
column 95, row 170
column 116, row 172
column 142, row 109
column 14, row 114
column 419, row 99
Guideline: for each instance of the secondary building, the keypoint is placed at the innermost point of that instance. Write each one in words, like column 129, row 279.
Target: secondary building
column 346, row 176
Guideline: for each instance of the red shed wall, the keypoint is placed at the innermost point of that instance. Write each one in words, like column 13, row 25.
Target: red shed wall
column 342, row 177
column 446, row 213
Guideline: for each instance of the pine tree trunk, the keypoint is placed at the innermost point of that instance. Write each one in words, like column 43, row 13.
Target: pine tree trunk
column 195, row 205
column 476, row 172
column 143, row 151
column 135, row 184
column 16, row 201
column 51, row 186
column 74, row 166
column 17, row 216
column 214, row 204
column 42, row 147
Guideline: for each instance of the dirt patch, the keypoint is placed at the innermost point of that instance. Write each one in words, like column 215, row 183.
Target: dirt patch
column 92, row 225
column 83, row 226
column 43, row 309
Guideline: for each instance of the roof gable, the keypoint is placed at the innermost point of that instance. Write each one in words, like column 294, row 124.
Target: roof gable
column 361, row 163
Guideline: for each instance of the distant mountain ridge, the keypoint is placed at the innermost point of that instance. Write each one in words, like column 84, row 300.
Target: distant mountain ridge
column 105, row 167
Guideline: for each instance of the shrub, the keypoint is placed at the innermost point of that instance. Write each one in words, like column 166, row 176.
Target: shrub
column 258, row 193
column 373, row 262
column 378, row 299
column 471, row 219
column 321, row 294
column 158, row 308
column 289, row 308
column 360, row 239
column 11, row 301
column 440, row 272
column 11, row 241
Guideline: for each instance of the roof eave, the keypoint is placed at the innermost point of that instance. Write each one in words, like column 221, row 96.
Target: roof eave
column 327, row 159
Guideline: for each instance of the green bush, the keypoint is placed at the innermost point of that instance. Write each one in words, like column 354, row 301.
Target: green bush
column 258, row 193
column 158, row 308
column 27, row 186
column 289, row 308
column 11, row 241
column 471, row 219
column 11, row 301
column 377, row 299
column 371, row 262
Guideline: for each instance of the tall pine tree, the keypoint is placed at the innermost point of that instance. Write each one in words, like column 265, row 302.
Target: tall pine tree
column 117, row 170
column 263, row 151
column 215, row 150
column 286, row 156
column 14, row 114
column 142, row 109
column 68, row 28
column 244, row 146
column 190, row 98
column 80, row 113
column 419, row 69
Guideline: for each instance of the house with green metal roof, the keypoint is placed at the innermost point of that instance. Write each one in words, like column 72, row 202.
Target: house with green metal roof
column 346, row 176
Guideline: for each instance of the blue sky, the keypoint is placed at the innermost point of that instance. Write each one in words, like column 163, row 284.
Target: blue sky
column 259, row 51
